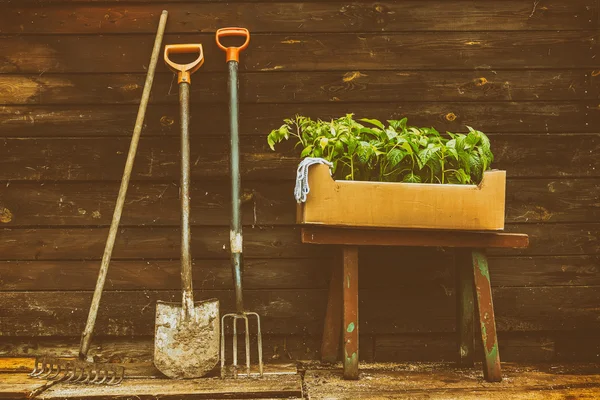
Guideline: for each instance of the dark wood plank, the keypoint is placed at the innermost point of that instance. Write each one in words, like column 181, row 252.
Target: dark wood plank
column 272, row 203
column 349, row 284
column 150, row 243
column 398, row 268
column 556, row 239
column 465, row 311
column 308, row 52
column 147, row 203
column 409, row 237
column 259, row 119
column 301, row 312
column 157, row 158
column 163, row 274
column 132, row 313
column 261, row 242
column 562, row 309
column 437, row 347
column 388, row 16
column 140, row 349
column 487, row 322
column 298, row 87
column 555, row 200
column 332, row 326
column 413, row 266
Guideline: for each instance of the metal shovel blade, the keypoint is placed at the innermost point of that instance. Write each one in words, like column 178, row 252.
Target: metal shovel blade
column 187, row 346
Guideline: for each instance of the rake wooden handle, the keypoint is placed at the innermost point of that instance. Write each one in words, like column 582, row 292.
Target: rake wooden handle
column 86, row 336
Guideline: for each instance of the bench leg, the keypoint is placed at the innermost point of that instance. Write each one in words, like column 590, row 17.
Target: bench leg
column 350, row 316
column 332, row 330
column 465, row 311
column 487, row 322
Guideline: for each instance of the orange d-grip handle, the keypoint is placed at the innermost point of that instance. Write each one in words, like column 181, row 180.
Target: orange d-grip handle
column 233, row 53
column 184, row 71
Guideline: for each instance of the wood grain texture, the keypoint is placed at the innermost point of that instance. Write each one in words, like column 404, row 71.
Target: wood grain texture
column 308, row 52
column 149, row 243
column 399, row 268
column 140, row 349
column 300, row 87
column 52, row 243
column 437, row 347
column 282, row 386
column 350, row 320
column 147, row 203
column 332, row 326
column 263, row 203
column 315, row 234
column 484, row 305
column 568, row 155
column 259, row 119
column 299, row 312
column 437, row 381
column 516, row 309
column 465, row 307
column 264, row 274
column 273, row 16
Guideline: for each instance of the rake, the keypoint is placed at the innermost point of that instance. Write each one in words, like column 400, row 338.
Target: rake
column 80, row 370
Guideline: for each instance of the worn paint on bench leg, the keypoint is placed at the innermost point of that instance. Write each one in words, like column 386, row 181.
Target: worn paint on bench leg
column 491, row 367
column 332, row 329
column 465, row 311
column 350, row 315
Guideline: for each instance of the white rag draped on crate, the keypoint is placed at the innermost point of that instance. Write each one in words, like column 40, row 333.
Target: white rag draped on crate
column 302, row 189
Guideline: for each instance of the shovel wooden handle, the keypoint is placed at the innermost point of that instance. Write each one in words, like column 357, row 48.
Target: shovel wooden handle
column 233, row 53
column 184, row 71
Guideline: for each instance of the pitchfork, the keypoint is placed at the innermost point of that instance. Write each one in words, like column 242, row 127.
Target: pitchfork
column 235, row 233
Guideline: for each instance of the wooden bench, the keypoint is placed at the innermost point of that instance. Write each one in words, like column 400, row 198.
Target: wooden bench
column 472, row 277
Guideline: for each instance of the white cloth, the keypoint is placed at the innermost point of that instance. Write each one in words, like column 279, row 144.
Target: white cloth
column 302, row 189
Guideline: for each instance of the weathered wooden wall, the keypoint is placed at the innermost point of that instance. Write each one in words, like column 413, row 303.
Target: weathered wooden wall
column 71, row 74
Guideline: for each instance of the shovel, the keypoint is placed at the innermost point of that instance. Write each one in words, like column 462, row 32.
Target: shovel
column 186, row 342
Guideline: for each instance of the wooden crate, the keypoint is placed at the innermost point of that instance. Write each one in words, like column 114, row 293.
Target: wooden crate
column 404, row 205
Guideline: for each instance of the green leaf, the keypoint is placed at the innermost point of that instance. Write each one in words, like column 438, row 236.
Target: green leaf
column 412, row 178
column 271, row 141
column 375, row 122
column 395, row 157
column 306, row 151
column 323, row 142
column 391, row 133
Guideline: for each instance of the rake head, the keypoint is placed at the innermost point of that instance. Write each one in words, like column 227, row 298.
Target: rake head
column 234, row 318
column 77, row 371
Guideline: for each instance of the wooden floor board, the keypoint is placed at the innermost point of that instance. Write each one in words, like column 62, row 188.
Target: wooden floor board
column 377, row 381
column 444, row 381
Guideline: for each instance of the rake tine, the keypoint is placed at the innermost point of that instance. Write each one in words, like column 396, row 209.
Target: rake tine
column 35, row 366
column 119, row 375
column 53, row 367
column 58, row 371
column 82, row 373
column 100, row 373
column 48, row 371
column 37, row 373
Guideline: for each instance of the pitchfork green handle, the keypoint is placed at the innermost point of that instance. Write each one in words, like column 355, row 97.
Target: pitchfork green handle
column 235, row 234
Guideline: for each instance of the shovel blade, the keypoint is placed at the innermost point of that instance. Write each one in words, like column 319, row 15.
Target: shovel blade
column 187, row 346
